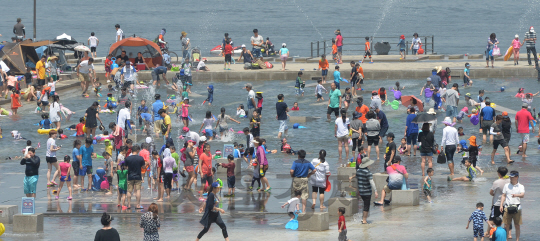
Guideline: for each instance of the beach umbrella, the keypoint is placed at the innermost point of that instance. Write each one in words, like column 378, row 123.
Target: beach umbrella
column 406, row 101
column 65, row 39
column 82, row 48
column 423, row 118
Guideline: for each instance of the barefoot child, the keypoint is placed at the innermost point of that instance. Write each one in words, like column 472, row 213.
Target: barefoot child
column 471, row 173
column 122, row 173
column 185, row 112
column 294, row 204
column 15, row 101
column 231, row 179
column 478, row 217
column 323, row 64
column 65, row 169
column 427, row 184
column 403, row 147
column 319, row 90
column 342, row 228
column 110, row 169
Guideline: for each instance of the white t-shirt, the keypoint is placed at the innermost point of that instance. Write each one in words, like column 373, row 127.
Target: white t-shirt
column 342, row 129
column 193, row 136
column 26, row 150
column 51, row 143
column 319, row 179
column 128, row 73
column 4, row 66
column 251, row 95
column 416, row 43
column 201, row 65
column 123, row 115
column 93, row 40
column 119, row 32
column 208, row 123
column 510, row 189
column 85, row 68
column 52, row 85
column 54, row 109
column 52, row 66
column 293, row 202
column 257, row 40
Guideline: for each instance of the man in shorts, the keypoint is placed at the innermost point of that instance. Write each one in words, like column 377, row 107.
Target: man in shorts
column 487, row 116
column 134, row 163
column 32, row 163
column 511, row 197
column 496, row 192
column 498, row 139
column 84, row 69
column 334, row 101
column 159, row 70
column 128, row 76
column 281, row 116
column 524, row 119
column 257, row 43
column 451, row 97
column 300, row 171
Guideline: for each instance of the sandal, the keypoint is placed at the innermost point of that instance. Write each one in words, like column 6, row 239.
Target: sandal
column 268, row 189
column 378, row 203
column 139, row 207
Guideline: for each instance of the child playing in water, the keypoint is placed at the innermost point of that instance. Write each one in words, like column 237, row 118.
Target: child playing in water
column 185, row 94
column 466, row 75
column 319, row 90
column 110, row 169
column 462, row 113
column 256, row 174
column 402, row 46
column 240, row 112
column 255, row 124
column 347, row 97
column 45, row 123
column 337, row 76
column 516, row 44
column 122, row 173
column 478, row 217
column 51, row 85
column 259, row 98
column 295, row 107
column 471, row 173
column 298, row 84
column 65, row 176
column 323, row 64
column 97, row 89
column 286, row 148
column 185, row 112
column 460, row 131
column 382, row 94
column 397, row 91
column 294, row 204
column 210, row 98
column 403, row 147
column 143, row 109
column 15, row 101
column 79, row 127
column 427, row 184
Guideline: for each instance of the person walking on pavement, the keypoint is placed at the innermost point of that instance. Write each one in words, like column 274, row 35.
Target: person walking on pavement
column 530, row 40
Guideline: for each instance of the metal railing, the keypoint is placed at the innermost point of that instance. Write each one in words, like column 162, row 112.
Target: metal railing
column 356, row 44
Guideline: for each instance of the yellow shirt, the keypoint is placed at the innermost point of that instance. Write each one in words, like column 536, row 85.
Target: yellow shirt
column 167, row 121
column 40, row 67
column 108, row 149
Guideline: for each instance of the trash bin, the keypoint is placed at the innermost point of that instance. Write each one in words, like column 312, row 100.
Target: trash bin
column 382, row 48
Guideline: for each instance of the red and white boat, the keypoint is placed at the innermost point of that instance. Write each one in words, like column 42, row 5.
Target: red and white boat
column 217, row 50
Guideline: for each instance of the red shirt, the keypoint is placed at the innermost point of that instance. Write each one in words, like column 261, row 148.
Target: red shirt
column 341, row 220
column 15, row 103
column 230, row 168
column 79, row 127
column 118, row 139
column 206, row 164
column 200, row 150
column 339, row 40
column 523, row 117
column 145, row 154
column 228, row 49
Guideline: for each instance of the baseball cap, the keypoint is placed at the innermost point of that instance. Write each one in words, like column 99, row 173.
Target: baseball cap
column 514, row 174
column 505, row 113
column 243, row 45
column 428, row 79
column 468, row 95
column 203, row 138
column 185, row 129
column 249, row 85
column 374, row 92
column 524, row 105
column 216, row 184
column 128, row 62
column 396, row 159
column 192, row 141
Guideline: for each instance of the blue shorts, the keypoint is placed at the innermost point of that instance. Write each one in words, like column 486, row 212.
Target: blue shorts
column 65, row 179
column 324, row 72
column 256, row 53
column 85, row 170
column 426, row 154
column 147, row 117
column 414, row 51
column 231, row 181
column 451, row 111
column 209, row 133
column 30, row 184
column 401, row 50
column 412, row 138
column 210, row 100
column 339, row 49
column 337, row 84
column 122, row 191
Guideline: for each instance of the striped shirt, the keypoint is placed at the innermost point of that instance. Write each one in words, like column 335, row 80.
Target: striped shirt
column 363, row 175
column 530, row 43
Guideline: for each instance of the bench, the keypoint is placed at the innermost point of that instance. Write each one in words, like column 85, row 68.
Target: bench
column 313, row 221
column 28, row 223
column 350, row 205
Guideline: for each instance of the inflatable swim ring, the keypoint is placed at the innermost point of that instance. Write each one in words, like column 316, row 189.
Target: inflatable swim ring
column 44, row 131
column 103, row 137
column 141, row 87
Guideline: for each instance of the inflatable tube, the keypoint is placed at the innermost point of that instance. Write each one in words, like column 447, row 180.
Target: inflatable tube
column 520, row 95
column 44, row 131
column 169, row 101
column 102, row 137
column 141, row 87
column 509, row 53
column 189, row 118
column 84, row 128
column 5, row 112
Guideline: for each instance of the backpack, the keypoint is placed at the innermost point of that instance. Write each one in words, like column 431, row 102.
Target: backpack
column 156, row 40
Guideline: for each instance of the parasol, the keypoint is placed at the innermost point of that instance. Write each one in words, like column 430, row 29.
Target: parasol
column 407, row 100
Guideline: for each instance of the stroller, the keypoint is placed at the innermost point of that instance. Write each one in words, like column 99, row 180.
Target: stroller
column 195, row 55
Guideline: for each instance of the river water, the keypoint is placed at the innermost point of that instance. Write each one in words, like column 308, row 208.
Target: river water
column 459, row 26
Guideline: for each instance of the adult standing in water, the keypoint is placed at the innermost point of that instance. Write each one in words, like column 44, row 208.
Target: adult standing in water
column 339, row 45
column 261, row 159
column 50, row 157
column 250, row 100
column 427, row 139
column 411, row 131
column 92, row 116
column 449, row 143
column 281, row 116
column 83, row 73
column 150, row 223
column 212, row 212
column 107, row 233
column 524, row 119
column 185, row 45
column 492, row 41
column 366, row 185
column 318, row 181
column 530, row 40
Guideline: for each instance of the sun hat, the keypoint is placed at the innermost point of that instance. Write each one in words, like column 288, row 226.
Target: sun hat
column 357, row 115
column 472, row 140
column 283, row 45
column 448, row 121
column 517, row 36
column 428, row 79
column 203, row 138
column 366, row 163
column 148, row 139
column 465, row 109
column 431, row 111
column 468, row 95
column 402, row 37
column 438, row 68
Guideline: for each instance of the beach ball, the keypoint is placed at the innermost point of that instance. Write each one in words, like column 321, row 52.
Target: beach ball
column 2, row 229
column 493, row 105
column 94, row 142
column 420, row 51
column 502, row 89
